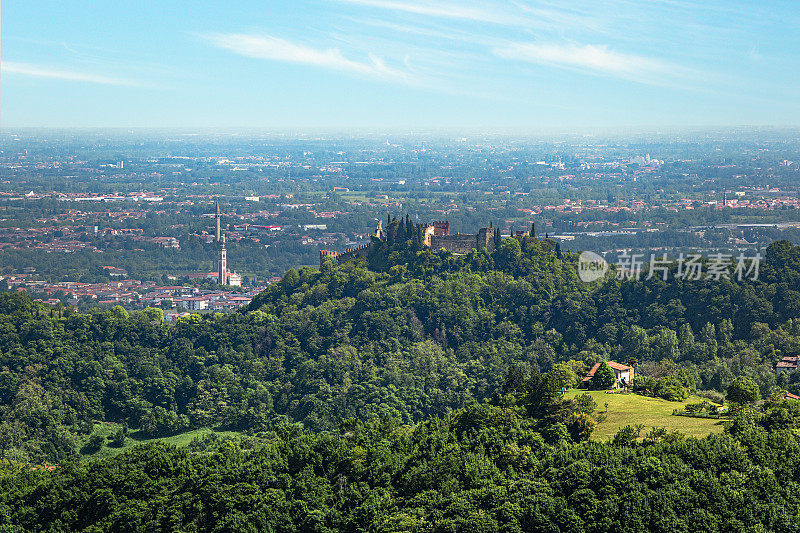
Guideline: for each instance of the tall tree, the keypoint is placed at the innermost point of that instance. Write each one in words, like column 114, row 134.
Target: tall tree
column 604, row 377
column 743, row 390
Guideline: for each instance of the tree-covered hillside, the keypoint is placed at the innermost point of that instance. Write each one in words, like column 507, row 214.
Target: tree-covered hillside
column 413, row 390
column 486, row 468
column 406, row 333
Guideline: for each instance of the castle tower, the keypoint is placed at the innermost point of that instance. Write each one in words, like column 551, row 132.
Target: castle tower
column 441, row 227
column 217, row 217
column 222, row 261
column 485, row 239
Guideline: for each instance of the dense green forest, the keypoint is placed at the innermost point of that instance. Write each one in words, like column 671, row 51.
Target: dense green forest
column 490, row 467
column 409, row 390
column 404, row 334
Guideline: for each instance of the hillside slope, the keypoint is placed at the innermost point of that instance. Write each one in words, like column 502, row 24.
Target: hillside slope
column 404, row 334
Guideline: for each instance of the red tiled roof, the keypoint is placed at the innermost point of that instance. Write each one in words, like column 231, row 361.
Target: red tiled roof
column 786, row 364
column 590, row 375
column 612, row 364
column 790, row 396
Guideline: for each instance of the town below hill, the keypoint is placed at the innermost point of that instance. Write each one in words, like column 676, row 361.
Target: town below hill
column 422, row 376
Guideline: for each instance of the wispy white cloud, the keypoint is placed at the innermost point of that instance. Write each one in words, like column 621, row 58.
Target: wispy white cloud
column 460, row 11
column 277, row 49
column 399, row 33
column 39, row 71
column 510, row 13
column 597, row 59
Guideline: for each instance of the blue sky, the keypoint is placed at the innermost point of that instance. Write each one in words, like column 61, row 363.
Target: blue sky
column 400, row 64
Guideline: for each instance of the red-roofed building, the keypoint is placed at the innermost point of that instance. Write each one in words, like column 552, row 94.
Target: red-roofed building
column 623, row 373
column 787, row 364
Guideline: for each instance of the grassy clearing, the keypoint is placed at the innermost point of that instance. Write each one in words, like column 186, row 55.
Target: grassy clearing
column 632, row 409
column 134, row 439
column 623, row 410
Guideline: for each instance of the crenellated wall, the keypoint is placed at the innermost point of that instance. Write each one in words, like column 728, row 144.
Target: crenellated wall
column 327, row 253
column 435, row 235
column 350, row 253
column 463, row 243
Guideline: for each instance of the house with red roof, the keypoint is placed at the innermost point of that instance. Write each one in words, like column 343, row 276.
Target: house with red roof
column 787, row 364
column 623, row 374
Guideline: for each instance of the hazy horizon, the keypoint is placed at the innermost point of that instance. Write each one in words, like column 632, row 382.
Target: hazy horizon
column 514, row 67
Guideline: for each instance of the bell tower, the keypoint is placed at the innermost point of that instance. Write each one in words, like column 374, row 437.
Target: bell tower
column 222, row 262
column 217, row 218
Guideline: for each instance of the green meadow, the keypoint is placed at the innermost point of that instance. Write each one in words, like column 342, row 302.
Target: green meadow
column 632, row 409
column 135, row 438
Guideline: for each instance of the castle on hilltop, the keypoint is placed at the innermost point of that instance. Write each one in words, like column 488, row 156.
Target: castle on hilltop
column 435, row 235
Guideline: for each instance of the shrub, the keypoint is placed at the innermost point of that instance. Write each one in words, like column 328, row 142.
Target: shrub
column 118, row 438
column 581, row 427
column 700, row 407
column 714, row 396
column 643, row 383
column 627, row 436
column 93, row 445
column 161, row 423
column 555, row 433
column 671, row 392
column 584, row 403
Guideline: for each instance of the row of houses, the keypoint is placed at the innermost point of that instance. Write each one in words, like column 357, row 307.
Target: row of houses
column 787, row 364
column 133, row 293
column 214, row 302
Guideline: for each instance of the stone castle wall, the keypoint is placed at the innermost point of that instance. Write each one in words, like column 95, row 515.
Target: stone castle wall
column 460, row 243
column 350, row 253
column 485, row 239
column 464, row 243
column 435, row 236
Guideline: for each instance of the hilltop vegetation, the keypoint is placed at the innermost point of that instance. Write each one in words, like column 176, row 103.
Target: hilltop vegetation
column 404, row 334
column 413, row 390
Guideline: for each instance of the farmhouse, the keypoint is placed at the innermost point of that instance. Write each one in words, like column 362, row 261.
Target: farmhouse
column 623, row 374
column 787, row 364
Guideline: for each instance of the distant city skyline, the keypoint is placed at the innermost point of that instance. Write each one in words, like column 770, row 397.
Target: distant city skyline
column 400, row 64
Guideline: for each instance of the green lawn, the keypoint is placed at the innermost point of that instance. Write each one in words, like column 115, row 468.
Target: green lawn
column 135, row 439
column 623, row 410
column 632, row 409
